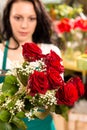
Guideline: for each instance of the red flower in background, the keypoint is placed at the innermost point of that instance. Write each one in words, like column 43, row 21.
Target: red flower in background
column 80, row 24
column 64, row 25
column 73, row 32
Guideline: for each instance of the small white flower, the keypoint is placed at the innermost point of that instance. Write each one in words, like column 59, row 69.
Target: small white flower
column 19, row 105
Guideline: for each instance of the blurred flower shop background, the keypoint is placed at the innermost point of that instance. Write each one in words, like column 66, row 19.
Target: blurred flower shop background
column 70, row 31
column 70, row 35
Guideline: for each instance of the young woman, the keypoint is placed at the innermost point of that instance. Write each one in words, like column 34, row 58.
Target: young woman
column 25, row 21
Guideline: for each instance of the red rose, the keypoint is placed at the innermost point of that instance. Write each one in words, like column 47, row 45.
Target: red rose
column 53, row 60
column 37, row 83
column 31, row 52
column 64, row 25
column 67, row 94
column 81, row 24
column 79, row 85
column 54, row 78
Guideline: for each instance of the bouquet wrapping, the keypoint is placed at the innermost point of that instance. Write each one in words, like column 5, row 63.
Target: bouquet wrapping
column 35, row 88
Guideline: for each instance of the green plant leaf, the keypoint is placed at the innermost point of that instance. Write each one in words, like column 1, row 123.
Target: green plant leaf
column 2, row 98
column 10, row 85
column 23, row 78
column 62, row 110
column 20, row 114
column 19, row 123
column 4, row 115
column 11, row 104
column 5, row 126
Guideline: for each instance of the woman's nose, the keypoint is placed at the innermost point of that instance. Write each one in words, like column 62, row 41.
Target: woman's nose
column 24, row 24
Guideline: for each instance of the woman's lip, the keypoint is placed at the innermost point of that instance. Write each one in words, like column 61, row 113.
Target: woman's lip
column 23, row 33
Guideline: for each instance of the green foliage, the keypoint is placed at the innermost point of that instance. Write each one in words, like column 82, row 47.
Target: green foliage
column 10, row 85
column 63, row 10
column 2, row 98
column 4, row 115
column 12, row 126
column 5, row 126
column 23, row 78
column 19, row 123
column 20, row 114
column 63, row 110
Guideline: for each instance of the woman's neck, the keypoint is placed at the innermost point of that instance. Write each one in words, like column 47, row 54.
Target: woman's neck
column 13, row 43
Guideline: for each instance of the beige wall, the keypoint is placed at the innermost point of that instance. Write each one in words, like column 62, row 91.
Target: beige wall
column 2, row 4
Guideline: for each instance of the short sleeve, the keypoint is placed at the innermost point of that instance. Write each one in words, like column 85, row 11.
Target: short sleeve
column 47, row 47
column 8, row 64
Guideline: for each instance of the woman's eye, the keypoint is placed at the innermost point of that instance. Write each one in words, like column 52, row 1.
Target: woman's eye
column 32, row 19
column 17, row 18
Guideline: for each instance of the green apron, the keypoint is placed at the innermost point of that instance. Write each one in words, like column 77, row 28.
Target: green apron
column 4, row 61
column 37, row 124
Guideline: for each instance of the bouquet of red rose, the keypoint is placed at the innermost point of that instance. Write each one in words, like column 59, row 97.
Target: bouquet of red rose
column 35, row 88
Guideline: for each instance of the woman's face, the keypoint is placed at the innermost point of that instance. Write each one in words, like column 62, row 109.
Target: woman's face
column 23, row 20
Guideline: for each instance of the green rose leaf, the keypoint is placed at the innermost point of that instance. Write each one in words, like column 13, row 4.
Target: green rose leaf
column 5, row 126
column 20, row 114
column 10, row 85
column 11, row 104
column 62, row 110
column 23, row 78
column 4, row 115
column 2, row 98
column 19, row 123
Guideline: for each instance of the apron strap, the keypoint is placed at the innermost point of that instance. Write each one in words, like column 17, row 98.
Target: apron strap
column 5, row 57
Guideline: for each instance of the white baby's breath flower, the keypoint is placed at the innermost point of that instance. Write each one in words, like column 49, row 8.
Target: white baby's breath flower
column 7, row 101
column 46, row 100
column 12, row 112
column 16, row 64
column 19, row 105
column 34, row 64
column 31, row 113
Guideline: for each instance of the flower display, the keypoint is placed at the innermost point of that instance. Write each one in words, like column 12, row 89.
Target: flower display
column 73, row 32
column 35, row 88
column 58, row 11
